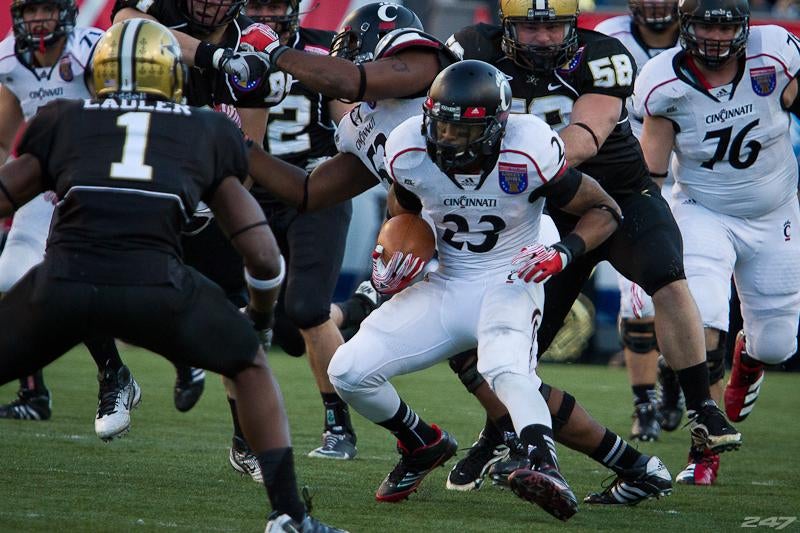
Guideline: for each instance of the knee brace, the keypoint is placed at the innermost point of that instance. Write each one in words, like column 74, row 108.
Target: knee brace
column 564, row 411
column 715, row 359
column 638, row 337
column 465, row 365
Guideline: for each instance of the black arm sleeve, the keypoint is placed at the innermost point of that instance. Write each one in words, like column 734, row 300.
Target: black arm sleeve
column 560, row 191
column 407, row 199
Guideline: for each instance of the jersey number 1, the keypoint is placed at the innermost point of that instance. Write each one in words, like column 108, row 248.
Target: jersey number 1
column 132, row 167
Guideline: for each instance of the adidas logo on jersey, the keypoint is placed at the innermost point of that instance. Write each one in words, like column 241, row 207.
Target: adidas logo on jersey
column 689, row 201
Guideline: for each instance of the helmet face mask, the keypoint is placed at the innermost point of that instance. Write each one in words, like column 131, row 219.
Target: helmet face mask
column 656, row 15
column 731, row 17
column 25, row 38
column 521, row 17
column 465, row 116
column 362, row 29
column 206, row 16
column 138, row 58
column 288, row 22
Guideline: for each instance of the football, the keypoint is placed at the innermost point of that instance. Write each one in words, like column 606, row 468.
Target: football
column 407, row 233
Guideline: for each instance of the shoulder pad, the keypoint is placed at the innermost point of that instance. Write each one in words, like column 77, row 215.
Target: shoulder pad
column 657, row 86
column 404, row 38
column 405, row 147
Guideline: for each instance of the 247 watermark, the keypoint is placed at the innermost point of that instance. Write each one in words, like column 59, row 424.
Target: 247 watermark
column 774, row 522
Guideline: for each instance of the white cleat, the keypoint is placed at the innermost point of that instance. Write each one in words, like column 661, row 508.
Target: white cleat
column 119, row 394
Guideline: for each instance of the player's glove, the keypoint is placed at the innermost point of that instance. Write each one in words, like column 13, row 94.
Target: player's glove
column 262, row 323
column 245, row 66
column 539, row 262
column 397, row 274
column 262, row 38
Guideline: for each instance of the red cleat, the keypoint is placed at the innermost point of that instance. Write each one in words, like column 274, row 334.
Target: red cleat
column 744, row 385
column 701, row 470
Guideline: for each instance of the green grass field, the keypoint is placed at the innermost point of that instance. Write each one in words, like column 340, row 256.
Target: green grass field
column 171, row 471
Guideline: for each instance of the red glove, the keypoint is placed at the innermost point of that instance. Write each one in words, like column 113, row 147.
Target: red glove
column 259, row 38
column 540, row 262
column 397, row 274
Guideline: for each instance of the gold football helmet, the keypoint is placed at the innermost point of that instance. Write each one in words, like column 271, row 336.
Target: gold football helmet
column 138, row 57
column 539, row 58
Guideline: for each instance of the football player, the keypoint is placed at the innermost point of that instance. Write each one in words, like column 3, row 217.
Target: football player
column 651, row 28
column 300, row 131
column 721, row 103
column 361, row 137
column 469, row 148
column 240, row 87
column 43, row 60
column 577, row 81
column 114, row 268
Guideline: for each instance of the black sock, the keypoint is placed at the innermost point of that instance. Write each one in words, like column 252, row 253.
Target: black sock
column 237, row 431
column 694, row 382
column 643, row 393
column 538, row 439
column 750, row 362
column 337, row 414
column 492, row 432
column 277, row 467
column 33, row 383
column 104, row 352
column 410, row 429
column 615, row 453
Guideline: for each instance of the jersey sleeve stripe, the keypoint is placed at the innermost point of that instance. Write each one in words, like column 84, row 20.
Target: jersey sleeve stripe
column 536, row 165
column 401, row 152
column 649, row 94
column 782, row 64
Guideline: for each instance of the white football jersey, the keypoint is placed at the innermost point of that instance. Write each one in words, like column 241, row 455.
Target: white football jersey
column 733, row 152
column 622, row 28
column 363, row 132
column 480, row 226
column 35, row 86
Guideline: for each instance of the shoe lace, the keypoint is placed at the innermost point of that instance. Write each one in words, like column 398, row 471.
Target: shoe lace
column 109, row 392
column 331, row 439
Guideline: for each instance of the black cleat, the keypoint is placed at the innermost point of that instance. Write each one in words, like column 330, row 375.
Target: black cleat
column 414, row 466
column 648, row 479
column 516, row 459
column 29, row 405
column 545, row 487
column 711, row 430
column 670, row 398
column 189, row 385
column 469, row 472
column 645, row 422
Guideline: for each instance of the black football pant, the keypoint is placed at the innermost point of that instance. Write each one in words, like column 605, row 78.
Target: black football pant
column 190, row 323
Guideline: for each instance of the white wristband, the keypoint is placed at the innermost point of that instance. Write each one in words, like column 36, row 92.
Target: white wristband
column 266, row 284
column 217, row 57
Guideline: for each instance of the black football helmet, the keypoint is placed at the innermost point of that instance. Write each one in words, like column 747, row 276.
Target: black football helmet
column 714, row 53
column 288, row 23
column 205, row 16
column 465, row 116
column 536, row 57
column 25, row 40
column 656, row 15
column 363, row 28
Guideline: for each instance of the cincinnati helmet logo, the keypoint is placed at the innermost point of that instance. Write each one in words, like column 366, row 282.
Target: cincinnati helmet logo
column 387, row 12
column 787, row 231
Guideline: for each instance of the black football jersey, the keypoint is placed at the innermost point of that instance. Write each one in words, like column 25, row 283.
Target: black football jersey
column 300, row 128
column 123, row 203
column 211, row 87
column 602, row 65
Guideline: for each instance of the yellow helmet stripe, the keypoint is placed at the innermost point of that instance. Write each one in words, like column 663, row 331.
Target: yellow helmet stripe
column 127, row 55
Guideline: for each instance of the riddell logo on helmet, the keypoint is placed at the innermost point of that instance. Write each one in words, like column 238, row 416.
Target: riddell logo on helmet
column 719, row 13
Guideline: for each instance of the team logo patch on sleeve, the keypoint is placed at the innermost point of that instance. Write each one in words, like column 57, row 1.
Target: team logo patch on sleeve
column 513, row 177
column 65, row 69
column 763, row 80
